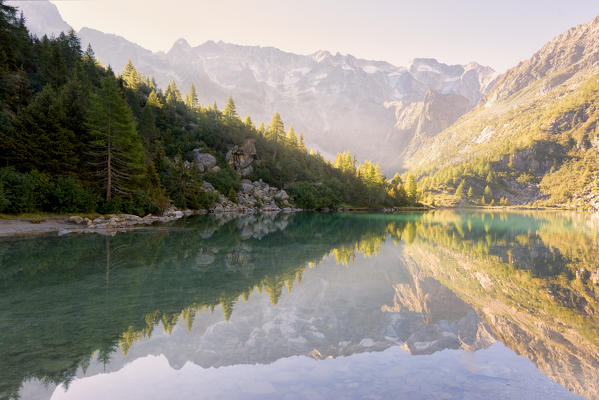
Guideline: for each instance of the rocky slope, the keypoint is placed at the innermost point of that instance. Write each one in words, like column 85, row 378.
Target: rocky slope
column 536, row 128
column 573, row 51
column 338, row 101
column 42, row 17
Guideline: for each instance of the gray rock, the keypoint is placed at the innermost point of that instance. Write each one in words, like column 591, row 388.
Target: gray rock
column 281, row 195
column 246, row 171
column 205, row 160
column 215, row 169
column 76, row 219
column 247, row 188
column 208, row 186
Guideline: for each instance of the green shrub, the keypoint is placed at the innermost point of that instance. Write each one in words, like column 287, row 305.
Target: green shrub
column 24, row 192
column 314, row 196
column 224, row 180
column 198, row 199
column 69, row 196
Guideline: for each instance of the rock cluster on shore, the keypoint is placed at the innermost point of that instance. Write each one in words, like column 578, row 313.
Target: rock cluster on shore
column 254, row 197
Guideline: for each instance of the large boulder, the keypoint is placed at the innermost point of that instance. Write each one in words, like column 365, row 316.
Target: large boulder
column 247, row 188
column 205, row 161
column 241, row 157
column 282, row 195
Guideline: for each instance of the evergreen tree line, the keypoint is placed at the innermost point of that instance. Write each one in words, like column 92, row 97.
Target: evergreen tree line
column 76, row 137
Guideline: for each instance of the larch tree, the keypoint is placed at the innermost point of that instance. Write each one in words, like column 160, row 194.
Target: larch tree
column 488, row 193
column 276, row 129
column 230, row 110
column 248, row 122
column 172, row 94
column 302, row 144
column 411, row 189
column 191, row 99
column 115, row 149
column 131, row 77
column 261, row 129
column 153, row 100
column 276, row 132
column 292, row 137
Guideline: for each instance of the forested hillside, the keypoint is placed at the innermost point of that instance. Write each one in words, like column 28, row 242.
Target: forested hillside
column 76, row 137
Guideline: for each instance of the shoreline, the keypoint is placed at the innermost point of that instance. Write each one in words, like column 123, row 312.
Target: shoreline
column 24, row 225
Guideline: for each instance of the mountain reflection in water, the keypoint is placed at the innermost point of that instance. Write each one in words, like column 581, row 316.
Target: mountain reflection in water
column 358, row 296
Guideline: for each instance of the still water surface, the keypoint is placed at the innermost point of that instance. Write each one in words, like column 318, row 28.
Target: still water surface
column 439, row 305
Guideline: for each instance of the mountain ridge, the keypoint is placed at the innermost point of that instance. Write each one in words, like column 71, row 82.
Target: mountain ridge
column 338, row 101
column 533, row 138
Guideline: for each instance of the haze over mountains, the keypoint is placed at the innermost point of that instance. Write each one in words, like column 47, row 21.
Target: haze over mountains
column 339, row 102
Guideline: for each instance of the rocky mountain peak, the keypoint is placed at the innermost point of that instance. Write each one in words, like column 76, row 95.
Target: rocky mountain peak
column 42, row 17
column 574, row 51
column 337, row 101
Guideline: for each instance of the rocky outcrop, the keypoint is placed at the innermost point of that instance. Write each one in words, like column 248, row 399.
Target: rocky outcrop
column 205, row 161
column 254, row 197
column 120, row 222
column 241, row 158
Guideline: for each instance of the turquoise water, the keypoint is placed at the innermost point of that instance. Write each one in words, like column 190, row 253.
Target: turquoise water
column 442, row 305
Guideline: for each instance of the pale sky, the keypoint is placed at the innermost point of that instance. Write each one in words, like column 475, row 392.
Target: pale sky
column 495, row 33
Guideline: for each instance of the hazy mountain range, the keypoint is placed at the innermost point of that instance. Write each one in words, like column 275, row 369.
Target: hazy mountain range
column 339, row 102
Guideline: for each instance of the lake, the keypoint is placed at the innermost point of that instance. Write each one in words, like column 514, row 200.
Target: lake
column 437, row 305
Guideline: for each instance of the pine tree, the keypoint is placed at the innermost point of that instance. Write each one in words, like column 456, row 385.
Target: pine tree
column 42, row 139
column 191, row 99
column 114, row 145
column 131, row 77
column 411, row 189
column 172, row 94
column 488, row 193
column 292, row 137
column 248, row 122
column 470, row 192
column 153, row 100
column 276, row 129
column 230, row 110
column 261, row 129
column 302, row 145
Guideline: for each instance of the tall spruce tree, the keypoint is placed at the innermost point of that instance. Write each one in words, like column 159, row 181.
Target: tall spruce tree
column 115, row 149
column 43, row 140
